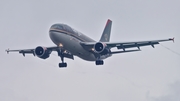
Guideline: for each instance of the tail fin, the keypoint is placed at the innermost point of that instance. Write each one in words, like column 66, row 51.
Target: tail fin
column 107, row 32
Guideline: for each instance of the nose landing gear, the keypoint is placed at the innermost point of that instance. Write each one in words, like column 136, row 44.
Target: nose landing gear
column 63, row 64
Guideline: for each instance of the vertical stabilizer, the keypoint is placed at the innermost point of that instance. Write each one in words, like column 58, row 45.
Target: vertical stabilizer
column 107, row 32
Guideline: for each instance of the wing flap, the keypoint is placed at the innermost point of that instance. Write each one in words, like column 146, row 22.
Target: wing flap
column 138, row 45
column 116, row 52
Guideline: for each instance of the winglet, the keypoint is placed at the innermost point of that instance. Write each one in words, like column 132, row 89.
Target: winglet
column 7, row 50
column 171, row 39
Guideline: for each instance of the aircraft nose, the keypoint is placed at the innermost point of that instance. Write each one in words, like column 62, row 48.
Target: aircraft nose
column 53, row 36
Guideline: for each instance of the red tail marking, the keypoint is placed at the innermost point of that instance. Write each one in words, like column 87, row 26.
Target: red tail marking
column 108, row 22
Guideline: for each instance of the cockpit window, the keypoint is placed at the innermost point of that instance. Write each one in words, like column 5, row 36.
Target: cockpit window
column 67, row 28
column 76, row 32
column 63, row 27
column 57, row 26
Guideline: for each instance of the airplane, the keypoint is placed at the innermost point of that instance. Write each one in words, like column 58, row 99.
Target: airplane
column 70, row 42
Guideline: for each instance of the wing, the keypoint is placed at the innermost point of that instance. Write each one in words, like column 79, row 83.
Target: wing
column 124, row 45
column 22, row 51
column 138, row 44
column 66, row 53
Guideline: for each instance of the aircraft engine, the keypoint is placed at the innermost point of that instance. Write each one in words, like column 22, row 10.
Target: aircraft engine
column 101, row 48
column 42, row 52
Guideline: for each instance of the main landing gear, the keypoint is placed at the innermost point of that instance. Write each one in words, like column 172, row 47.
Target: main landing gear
column 99, row 62
column 63, row 64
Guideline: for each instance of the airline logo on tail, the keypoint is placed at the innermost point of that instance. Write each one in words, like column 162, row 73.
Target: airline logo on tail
column 107, row 32
column 106, row 37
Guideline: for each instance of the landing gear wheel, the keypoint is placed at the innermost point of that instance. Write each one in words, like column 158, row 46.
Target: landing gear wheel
column 99, row 62
column 61, row 54
column 62, row 65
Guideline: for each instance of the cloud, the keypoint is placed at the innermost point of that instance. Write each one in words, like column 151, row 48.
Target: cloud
column 10, row 95
column 173, row 94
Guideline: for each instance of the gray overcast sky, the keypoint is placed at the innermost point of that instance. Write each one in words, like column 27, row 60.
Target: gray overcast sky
column 149, row 75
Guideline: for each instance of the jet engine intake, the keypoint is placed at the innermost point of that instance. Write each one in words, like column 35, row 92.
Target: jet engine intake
column 101, row 48
column 42, row 52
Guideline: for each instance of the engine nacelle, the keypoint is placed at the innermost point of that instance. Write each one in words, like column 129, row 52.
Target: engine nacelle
column 101, row 48
column 42, row 52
